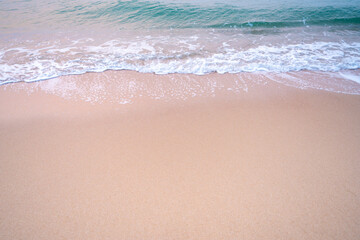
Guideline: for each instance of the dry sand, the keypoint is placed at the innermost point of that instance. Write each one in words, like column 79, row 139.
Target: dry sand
column 271, row 163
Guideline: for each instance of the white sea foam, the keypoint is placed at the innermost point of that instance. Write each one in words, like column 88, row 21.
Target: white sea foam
column 164, row 54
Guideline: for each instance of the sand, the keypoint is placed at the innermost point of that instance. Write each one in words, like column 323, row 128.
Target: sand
column 271, row 162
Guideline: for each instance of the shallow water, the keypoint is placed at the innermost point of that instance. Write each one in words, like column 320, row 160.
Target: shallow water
column 45, row 39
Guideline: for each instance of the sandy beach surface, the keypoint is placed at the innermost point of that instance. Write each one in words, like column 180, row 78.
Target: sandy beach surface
column 266, row 162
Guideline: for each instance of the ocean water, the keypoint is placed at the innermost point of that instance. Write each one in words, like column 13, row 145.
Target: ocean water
column 43, row 39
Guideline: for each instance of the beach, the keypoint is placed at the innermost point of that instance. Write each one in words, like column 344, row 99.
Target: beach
column 179, row 120
column 265, row 161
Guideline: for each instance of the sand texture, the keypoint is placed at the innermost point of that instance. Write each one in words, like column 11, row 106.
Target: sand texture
column 285, row 165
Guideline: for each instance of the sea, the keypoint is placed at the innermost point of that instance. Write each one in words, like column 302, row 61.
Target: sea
column 46, row 39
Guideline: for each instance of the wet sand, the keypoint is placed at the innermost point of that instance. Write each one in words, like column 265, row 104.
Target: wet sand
column 267, row 162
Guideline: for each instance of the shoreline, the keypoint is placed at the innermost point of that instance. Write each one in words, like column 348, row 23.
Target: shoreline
column 262, row 160
column 344, row 81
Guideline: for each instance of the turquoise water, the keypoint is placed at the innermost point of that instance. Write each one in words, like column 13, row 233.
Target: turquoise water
column 176, row 14
column 42, row 39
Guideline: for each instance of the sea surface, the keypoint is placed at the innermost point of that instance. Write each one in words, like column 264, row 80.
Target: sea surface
column 43, row 39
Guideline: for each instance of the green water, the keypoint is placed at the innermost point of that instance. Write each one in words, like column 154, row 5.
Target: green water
column 175, row 14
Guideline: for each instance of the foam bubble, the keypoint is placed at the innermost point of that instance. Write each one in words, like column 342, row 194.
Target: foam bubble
column 352, row 77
